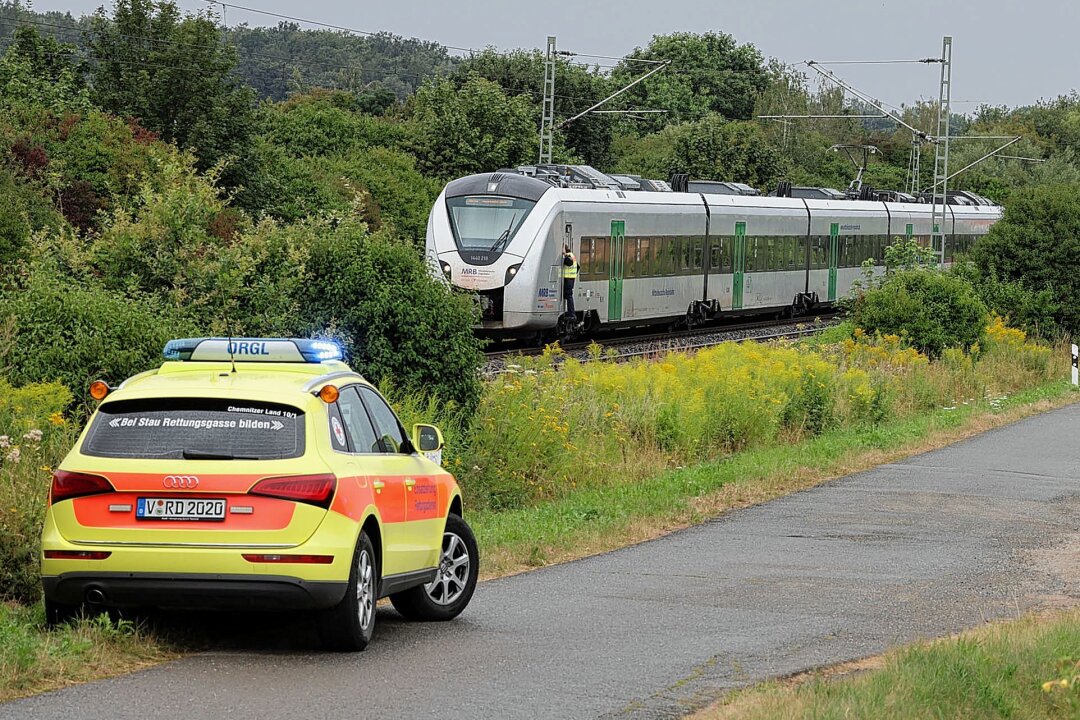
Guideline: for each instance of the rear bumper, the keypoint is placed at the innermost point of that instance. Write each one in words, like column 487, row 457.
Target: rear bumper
column 194, row 591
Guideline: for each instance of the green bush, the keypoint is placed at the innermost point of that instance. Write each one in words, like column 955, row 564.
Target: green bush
column 1038, row 244
column 932, row 310
column 1035, row 311
column 397, row 321
column 74, row 333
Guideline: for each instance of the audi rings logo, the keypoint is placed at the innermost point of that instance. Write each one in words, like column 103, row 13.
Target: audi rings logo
column 180, row 482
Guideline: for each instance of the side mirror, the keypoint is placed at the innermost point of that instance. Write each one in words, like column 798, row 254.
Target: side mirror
column 428, row 440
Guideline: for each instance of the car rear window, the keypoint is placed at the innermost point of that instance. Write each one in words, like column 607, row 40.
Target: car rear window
column 196, row 429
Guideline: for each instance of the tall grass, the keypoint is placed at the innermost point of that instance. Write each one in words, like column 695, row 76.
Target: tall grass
column 1011, row 670
column 34, row 437
column 554, row 425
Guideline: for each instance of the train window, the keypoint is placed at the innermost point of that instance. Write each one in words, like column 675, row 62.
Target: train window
column 584, row 259
column 716, row 253
column 600, row 259
column 699, row 250
column 684, row 253
column 671, row 255
column 820, row 259
column 644, row 257
column 729, row 256
column 486, row 222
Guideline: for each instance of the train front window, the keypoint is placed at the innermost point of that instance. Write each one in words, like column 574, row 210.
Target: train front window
column 486, row 222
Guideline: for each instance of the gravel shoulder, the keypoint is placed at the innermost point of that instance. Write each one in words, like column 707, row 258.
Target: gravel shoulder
column 911, row 550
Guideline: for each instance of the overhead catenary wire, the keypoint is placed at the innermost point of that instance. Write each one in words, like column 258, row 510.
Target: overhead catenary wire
column 925, row 61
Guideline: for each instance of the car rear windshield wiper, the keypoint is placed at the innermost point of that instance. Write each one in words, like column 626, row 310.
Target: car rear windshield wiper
column 200, row 455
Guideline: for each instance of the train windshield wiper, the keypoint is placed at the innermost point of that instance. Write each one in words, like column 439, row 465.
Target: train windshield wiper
column 505, row 234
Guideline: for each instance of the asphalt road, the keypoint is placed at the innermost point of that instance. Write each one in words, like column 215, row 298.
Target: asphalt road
column 916, row 549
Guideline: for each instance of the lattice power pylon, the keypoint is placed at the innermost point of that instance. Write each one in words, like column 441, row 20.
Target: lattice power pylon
column 547, row 124
column 941, row 156
column 914, row 163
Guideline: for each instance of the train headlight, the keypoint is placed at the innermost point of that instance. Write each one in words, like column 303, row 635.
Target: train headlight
column 511, row 273
column 446, row 269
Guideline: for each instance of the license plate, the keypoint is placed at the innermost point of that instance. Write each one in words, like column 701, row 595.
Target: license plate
column 180, row 509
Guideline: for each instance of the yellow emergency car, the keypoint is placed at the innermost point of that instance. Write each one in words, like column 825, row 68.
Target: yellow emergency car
column 256, row 473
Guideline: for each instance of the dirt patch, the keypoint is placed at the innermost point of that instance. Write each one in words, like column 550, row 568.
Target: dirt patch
column 1061, row 562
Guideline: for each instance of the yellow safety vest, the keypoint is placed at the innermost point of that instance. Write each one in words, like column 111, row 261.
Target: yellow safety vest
column 569, row 272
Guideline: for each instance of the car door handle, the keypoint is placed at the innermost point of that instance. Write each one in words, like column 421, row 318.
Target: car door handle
column 378, row 485
column 409, row 482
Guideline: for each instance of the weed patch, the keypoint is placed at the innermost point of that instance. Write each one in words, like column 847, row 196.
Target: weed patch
column 1027, row 669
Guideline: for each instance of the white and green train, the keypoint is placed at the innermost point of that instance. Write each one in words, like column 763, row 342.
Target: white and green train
column 658, row 257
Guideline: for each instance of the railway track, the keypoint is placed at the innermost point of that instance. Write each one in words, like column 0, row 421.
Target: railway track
column 628, row 348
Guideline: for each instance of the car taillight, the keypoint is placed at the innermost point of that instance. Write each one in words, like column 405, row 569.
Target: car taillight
column 311, row 489
column 67, row 485
column 76, row 554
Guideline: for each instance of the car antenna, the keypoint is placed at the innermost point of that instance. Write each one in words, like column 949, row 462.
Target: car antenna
column 228, row 327
column 232, row 359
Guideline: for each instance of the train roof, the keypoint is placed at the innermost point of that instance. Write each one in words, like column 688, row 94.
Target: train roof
column 507, row 183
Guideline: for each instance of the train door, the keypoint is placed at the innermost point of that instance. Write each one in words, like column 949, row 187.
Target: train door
column 834, row 255
column 739, row 264
column 616, row 259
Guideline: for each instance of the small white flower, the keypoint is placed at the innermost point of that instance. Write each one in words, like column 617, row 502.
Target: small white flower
column 13, row 456
column 32, row 436
column 5, row 442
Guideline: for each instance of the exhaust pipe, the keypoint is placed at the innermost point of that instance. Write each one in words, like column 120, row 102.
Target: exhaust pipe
column 94, row 596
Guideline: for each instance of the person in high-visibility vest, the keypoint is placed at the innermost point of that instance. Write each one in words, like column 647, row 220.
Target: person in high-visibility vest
column 569, row 279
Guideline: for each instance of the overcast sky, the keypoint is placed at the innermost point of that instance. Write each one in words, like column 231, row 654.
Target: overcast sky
column 1003, row 52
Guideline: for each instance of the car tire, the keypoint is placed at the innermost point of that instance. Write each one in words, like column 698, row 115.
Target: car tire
column 447, row 595
column 59, row 613
column 349, row 625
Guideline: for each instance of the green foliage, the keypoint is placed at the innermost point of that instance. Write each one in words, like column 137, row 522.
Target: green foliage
column 326, row 58
column 711, row 148
column 399, row 324
column 1034, row 311
column 176, row 77
column 472, row 128
column 709, row 73
column 400, row 195
column 1037, row 244
column 74, row 333
column 41, row 70
column 521, row 72
column 33, row 436
column 715, row 149
column 22, row 212
column 932, row 310
column 1027, row 668
column 908, row 254
column 327, row 123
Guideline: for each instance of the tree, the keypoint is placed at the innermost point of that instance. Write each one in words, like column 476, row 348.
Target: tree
column 41, row 71
column 176, row 76
column 711, row 149
column 1038, row 244
column 709, row 73
column 471, row 129
column 521, row 72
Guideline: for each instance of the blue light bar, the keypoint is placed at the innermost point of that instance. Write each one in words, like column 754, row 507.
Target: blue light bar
column 253, row 350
